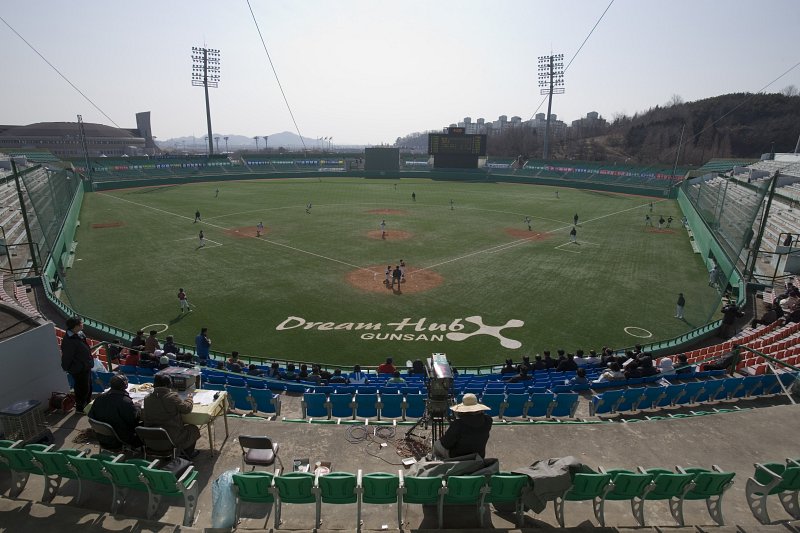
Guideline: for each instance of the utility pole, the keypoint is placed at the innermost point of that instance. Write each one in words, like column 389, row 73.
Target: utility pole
column 205, row 73
column 85, row 148
column 551, row 81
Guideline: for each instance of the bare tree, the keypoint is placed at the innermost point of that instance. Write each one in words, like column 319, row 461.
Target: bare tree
column 790, row 90
column 674, row 100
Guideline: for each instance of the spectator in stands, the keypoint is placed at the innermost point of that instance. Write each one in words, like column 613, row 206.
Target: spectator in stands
column 417, row 368
column 538, row 363
column 790, row 303
column 526, row 362
column 665, row 367
column 396, row 379
column 730, row 313
column 254, row 371
column 115, row 407
column 170, row 347
column 608, row 357
column 303, row 374
column 580, row 377
column 549, row 362
column 76, row 358
column 725, row 362
column 767, row 318
column 114, row 353
column 358, row 377
column 163, row 408
column 338, row 377
column 508, row 368
column 642, row 367
column 151, row 343
column 521, row 377
column 138, row 341
column 387, row 367
column 290, row 374
column 613, row 373
column 593, row 359
column 683, row 365
column 234, row 364
column 580, row 360
column 274, row 371
column 163, row 362
column 202, row 346
column 468, row 433
column 133, row 358
column 568, row 364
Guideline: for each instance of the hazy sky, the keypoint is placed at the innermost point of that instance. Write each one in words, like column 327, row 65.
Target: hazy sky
column 369, row 71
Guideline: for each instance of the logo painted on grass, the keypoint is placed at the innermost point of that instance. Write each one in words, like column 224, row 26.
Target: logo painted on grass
column 411, row 330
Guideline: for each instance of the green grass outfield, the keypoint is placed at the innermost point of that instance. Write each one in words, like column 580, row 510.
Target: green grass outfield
column 127, row 272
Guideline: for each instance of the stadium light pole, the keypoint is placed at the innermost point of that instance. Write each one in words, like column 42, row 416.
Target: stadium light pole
column 217, row 139
column 226, row 143
column 551, row 81
column 256, row 139
column 266, row 142
column 205, row 73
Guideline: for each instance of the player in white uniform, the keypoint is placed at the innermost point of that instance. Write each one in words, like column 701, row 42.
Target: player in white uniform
column 388, row 273
column 259, row 229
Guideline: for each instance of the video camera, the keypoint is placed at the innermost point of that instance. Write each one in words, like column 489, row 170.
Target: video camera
column 440, row 385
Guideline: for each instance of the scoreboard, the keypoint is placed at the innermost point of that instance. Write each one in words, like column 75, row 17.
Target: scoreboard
column 454, row 144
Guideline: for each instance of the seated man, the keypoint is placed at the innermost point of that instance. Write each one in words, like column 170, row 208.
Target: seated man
column 468, row 433
column 115, row 408
column 163, row 408
column 396, row 379
column 358, row 377
column 521, row 376
column 338, row 377
column 387, row 367
column 683, row 365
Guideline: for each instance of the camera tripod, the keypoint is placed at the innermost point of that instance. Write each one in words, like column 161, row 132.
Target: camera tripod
column 433, row 416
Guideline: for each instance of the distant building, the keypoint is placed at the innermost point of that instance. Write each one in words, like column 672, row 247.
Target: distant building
column 63, row 138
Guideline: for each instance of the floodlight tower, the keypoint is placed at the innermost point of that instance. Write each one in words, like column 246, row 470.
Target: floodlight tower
column 226, row 143
column 205, row 73
column 266, row 142
column 551, row 81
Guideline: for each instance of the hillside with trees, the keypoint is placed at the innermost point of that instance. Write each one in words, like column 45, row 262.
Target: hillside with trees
column 738, row 125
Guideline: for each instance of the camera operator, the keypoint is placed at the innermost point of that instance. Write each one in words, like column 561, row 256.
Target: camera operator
column 468, row 433
column 730, row 313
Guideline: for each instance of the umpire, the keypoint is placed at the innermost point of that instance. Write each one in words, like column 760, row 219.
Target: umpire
column 76, row 358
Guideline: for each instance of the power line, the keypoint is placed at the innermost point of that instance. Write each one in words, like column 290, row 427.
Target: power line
column 264, row 44
column 578, row 52
column 58, row 71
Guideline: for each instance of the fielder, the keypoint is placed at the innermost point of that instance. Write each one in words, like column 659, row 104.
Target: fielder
column 573, row 235
column 402, row 271
column 383, row 229
column 259, row 229
column 388, row 274
column 528, row 222
column 184, row 301
column 202, row 239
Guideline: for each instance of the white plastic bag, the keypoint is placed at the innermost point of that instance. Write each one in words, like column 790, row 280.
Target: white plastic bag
column 223, row 501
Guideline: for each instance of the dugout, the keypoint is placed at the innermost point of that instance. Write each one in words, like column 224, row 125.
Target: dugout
column 382, row 159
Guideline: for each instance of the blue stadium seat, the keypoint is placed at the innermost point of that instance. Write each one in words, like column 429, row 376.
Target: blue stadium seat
column 565, row 405
column 692, row 391
column 266, row 401
column 712, row 389
column 127, row 369
column 651, row 397
column 366, row 389
column 236, row 381
column 770, row 385
column 732, row 388
column 606, row 402
column 340, row 388
column 315, row 405
column 240, row 398
column 752, row 385
column 323, row 389
column 630, row 399
column 215, row 379
column 342, row 406
column 672, row 394
column 366, row 405
column 256, row 383
column 516, row 405
column 388, row 389
column 391, row 406
column 540, row 404
column 213, row 386
column 493, row 402
column 415, row 405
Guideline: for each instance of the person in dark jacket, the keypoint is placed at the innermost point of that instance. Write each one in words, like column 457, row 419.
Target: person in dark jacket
column 115, row 407
column 468, row 433
column 163, row 408
column 77, row 360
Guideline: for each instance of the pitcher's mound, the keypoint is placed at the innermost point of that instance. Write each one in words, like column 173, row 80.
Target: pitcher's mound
column 371, row 279
column 391, row 235
column 244, row 232
column 387, row 212
column 525, row 234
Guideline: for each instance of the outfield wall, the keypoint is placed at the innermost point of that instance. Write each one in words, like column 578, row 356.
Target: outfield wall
column 438, row 175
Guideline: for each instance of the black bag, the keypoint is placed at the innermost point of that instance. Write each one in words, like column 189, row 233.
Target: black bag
column 177, row 465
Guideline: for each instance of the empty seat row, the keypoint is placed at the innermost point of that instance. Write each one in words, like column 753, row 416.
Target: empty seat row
column 346, row 406
column 56, row 465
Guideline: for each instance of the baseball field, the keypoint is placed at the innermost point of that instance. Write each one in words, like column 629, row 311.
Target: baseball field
column 479, row 284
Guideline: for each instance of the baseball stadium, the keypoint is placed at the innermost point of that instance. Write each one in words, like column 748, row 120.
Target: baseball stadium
column 394, row 338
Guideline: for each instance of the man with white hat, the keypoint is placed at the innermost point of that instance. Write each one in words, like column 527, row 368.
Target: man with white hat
column 468, row 433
